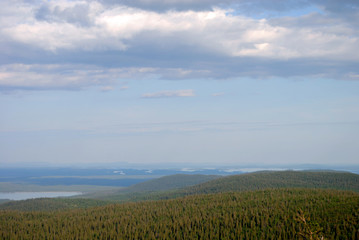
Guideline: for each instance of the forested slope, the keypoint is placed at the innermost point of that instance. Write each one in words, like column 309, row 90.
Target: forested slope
column 256, row 181
column 170, row 182
column 262, row 214
column 142, row 190
column 279, row 179
column 146, row 189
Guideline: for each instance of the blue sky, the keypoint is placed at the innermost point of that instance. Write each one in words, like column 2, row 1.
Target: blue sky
column 188, row 82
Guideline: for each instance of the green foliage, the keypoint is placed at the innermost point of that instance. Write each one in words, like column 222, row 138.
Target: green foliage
column 262, row 214
column 308, row 229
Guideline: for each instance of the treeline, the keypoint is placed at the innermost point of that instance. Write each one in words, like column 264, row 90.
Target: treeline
column 169, row 183
column 51, row 204
column 167, row 188
column 254, row 181
column 279, row 179
column 147, row 189
column 262, row 214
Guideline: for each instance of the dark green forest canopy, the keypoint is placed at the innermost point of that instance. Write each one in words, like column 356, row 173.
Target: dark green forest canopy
column 262, row 214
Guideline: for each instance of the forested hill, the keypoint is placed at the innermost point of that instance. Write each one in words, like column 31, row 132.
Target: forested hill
column 278, row 179
column 141, row 190
column 167, row 187
column 250, row 182
column 170, row 182
column 257, row 181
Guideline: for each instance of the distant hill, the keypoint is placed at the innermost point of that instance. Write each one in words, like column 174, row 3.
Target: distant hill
column 170, row 182
column 182, row 185
column 144, row 189
column 257, row 181
column 279, row 179
column 137, row 191
column 51, row 204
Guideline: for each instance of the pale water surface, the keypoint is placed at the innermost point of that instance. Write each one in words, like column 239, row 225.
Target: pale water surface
column 29, row 195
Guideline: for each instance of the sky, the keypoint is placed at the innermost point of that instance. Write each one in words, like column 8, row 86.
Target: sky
column 179, row 82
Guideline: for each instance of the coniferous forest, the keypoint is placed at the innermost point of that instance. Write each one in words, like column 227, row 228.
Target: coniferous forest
column 261, row 214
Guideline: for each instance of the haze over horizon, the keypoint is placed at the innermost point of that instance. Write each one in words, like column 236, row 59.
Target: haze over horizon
column 167, row 82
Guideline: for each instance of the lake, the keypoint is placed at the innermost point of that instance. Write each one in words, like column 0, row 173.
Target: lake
column 30, row 195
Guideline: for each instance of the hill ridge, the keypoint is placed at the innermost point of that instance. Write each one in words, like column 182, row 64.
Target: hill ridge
column 261, row 180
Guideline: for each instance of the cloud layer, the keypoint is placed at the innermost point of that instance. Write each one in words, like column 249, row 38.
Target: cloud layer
column 172, row 93
column 75, row 44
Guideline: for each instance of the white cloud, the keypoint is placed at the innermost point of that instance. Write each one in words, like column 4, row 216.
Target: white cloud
column 77, row 76
column 107, row 88
column 352, row 76
column 87, row 43
column 174, row 93
column 54, row 76
column 216, row 31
